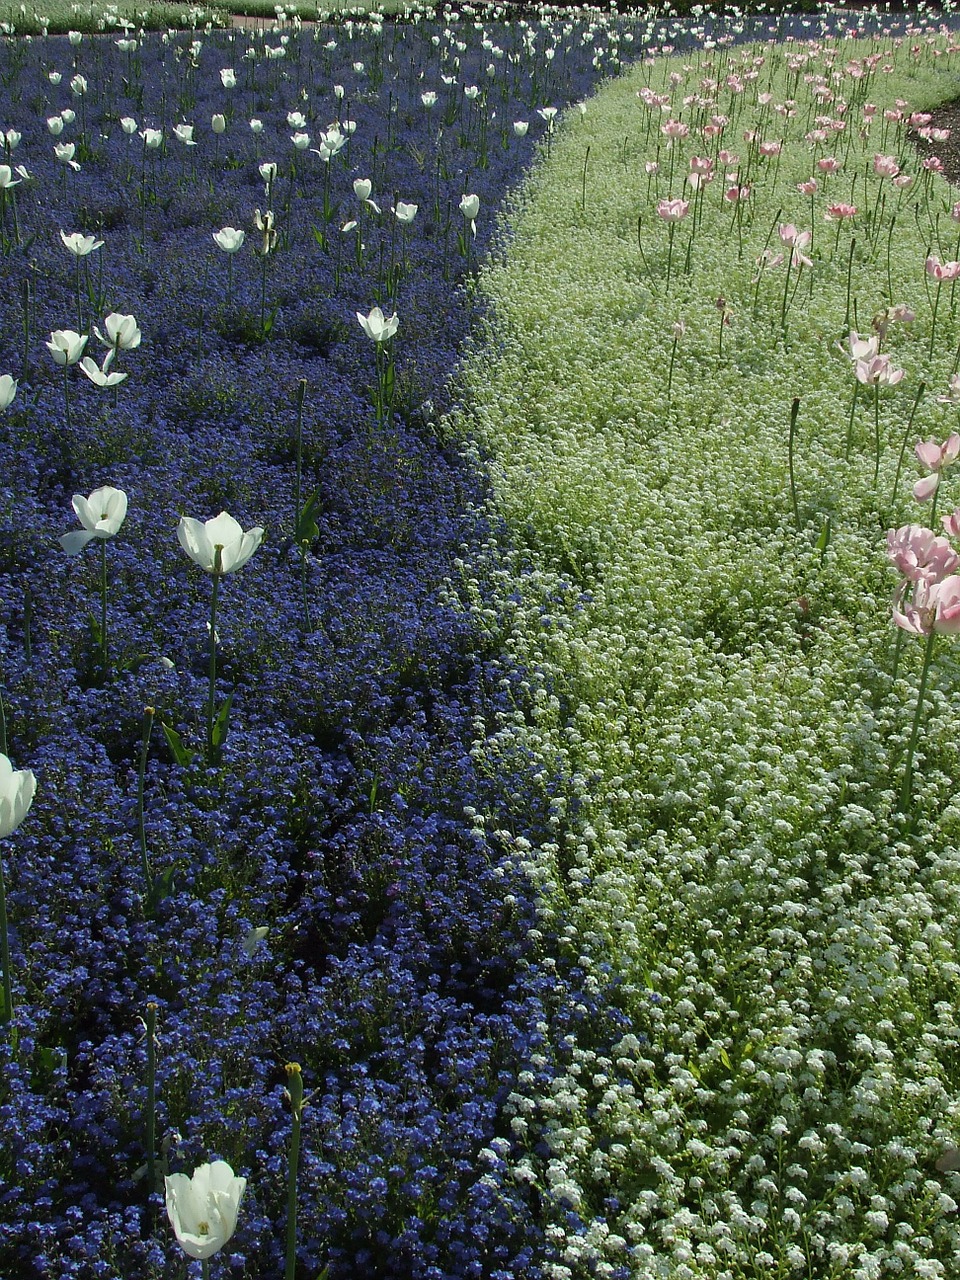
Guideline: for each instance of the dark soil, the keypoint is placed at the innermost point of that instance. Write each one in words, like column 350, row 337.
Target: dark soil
column 945, row 117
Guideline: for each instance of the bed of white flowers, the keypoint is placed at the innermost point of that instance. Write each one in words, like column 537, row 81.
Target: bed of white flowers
column 701, row 435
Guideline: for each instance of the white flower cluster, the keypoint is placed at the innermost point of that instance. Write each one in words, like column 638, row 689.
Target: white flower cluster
column 703, row 618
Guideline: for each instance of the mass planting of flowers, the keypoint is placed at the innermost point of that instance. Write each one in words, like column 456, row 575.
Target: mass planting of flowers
column 479, row 809
column 241, row 805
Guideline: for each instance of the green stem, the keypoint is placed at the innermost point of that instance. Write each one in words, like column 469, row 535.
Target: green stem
column 148, row 715
column 907, row 784
column 794, row 411
column 846, row 319
column 5, row 953
column 853, row 409
column 301, row 395
column 673, row 356
column 933, row 325
column 786, row 294
column 212, row 692
column 151, row 1116
column 906, row 436
column 876, row 432
column 104, row 652
column 295, row 1093
column 307, row 620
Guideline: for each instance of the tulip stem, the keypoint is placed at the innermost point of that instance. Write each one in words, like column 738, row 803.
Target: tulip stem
column 907, row 784
column 301, row 396
column 295, row 1094
column 212, row 692
column 853, row 409
column 933, row 322
column 104, row 652
column 5, row 953
column 150, row 1024
column 906, row 436
column 148, row 715
column 794, row 413
column 876, row 431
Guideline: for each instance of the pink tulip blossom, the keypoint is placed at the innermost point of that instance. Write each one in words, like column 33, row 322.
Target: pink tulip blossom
column 877, row 371
column 919, row 555
column 885, row 166
column 933, row 607
column 673, row 210
column 808, row 188
column 837, row 212
column 936, row 458
column 942, row 272
column 860, row 348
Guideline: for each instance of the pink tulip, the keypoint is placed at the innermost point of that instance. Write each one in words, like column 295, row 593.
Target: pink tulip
column 926, row 487
column 837, row 212
column 937, row 457
column 860, row 348
column 947, row 618
column 885, row 166
column 673, row 210
column 942, row 272
column 919, row 555
column 808, row 188
column 877, row 371
column 829, row 164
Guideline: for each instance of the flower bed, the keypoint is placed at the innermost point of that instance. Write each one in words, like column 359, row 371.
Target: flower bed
column 342, row 812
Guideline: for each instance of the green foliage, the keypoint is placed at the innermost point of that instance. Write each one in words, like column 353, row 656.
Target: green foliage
column 706, row 598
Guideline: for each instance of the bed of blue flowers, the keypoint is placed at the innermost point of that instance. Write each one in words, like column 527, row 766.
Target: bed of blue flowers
column 193, row 906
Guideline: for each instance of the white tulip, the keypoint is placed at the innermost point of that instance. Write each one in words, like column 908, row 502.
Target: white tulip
column 101, row 515
column 218, row 546
column 17, row 787
column 203, row 1209
column 376, row 326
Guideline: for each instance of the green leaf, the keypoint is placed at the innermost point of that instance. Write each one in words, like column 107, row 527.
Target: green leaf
column 307, row 528
column 183, row 755
column 161, row 888
column 824, row 540
column 221, row 725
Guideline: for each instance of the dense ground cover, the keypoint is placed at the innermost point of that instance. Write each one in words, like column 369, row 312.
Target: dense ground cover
column 346, row 815
column 721, row 680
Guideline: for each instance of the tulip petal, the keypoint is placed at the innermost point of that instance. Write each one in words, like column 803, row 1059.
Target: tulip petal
column 74, row 542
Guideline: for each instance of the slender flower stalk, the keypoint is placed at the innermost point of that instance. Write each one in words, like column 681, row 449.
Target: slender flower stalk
column 150, row 1119
column 297, row 1103
column 148, row 717
column 906, row 785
